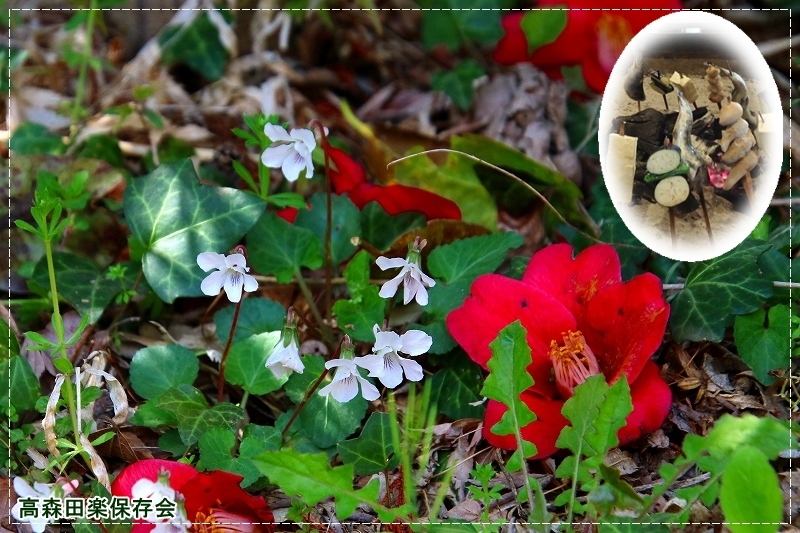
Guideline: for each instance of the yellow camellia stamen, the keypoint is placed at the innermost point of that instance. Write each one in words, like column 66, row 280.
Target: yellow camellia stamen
column 573, row 362
column 219, row 521
column 613, row 34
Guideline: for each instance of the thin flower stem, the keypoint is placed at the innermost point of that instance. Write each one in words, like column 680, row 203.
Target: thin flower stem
column 311, row 391
column 87, row 53
column 313, row 306
column 328, row 217
column 223, row 359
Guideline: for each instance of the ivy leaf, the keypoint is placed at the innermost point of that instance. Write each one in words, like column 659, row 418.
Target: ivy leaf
column 257, row 315
column 507, row 379
column 457, row 83
column 216, row 453
column 381, row 229
column 276, row 247
column 81, row 283
column 197, row 45
column 156, row 369
column 454, row 22
column 345, row 223
column 764, row 344
column 728, row 285
column 542, row 27
column 176, row 219
column 324, row 420
column 23, row 385
column 365, row 308
column 313, row 479
column 751, row 496
column 246, row 364
column 457, row 265
column 455, row 387
column 373, row 450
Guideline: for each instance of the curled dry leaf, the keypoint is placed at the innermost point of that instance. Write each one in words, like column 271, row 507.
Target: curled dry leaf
column 117, row 393
column 49, row 421
column 96, row 463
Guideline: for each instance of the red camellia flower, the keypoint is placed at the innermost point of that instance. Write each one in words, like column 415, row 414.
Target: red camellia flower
column 593, row 39
column 208, row 502
column 581, row 320
column 348, row 177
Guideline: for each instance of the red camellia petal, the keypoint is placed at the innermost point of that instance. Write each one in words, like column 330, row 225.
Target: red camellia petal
column 179, row 473
column 347, row 174
column 542, row 432
column 651, row 399
column 593, row 39
column 495, row 302
column 574, row 281
column 561, row 302
column 628, row 321
column 221, row 490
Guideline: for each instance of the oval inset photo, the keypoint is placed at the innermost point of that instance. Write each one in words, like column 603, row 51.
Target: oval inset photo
column 691, row 136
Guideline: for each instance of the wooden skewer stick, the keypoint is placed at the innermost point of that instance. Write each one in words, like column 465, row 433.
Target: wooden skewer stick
column 705, row 214
column 672, row 232
column 748, row 188
column 664, row 95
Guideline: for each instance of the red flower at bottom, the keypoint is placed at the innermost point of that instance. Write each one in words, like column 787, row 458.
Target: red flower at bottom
column 580, row 320
column 213, row 502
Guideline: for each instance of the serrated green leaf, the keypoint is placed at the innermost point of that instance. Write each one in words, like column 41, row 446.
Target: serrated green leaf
column 17, row 374
column 373, row 450
column 508, row 378
column 276, row 247
column 197, row 45
column 751, row 496
column 257, row 315
column 764, row 344
column 381, row 229
column 246, row 364
column 177, row 218
column 542, row 27
column 156, row 369
column 596, row 412
column 81, row 283
column 455, row 387
column 345, row 221
column 313, row 479
column 267, row 437
column 728, row 285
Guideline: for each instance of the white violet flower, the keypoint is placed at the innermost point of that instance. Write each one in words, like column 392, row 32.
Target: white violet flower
column 344, row 386
column 290, row 151
column 40, row 492
column 386, row 363
column 415, row 281
column 231, row 275
column 286, row 356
